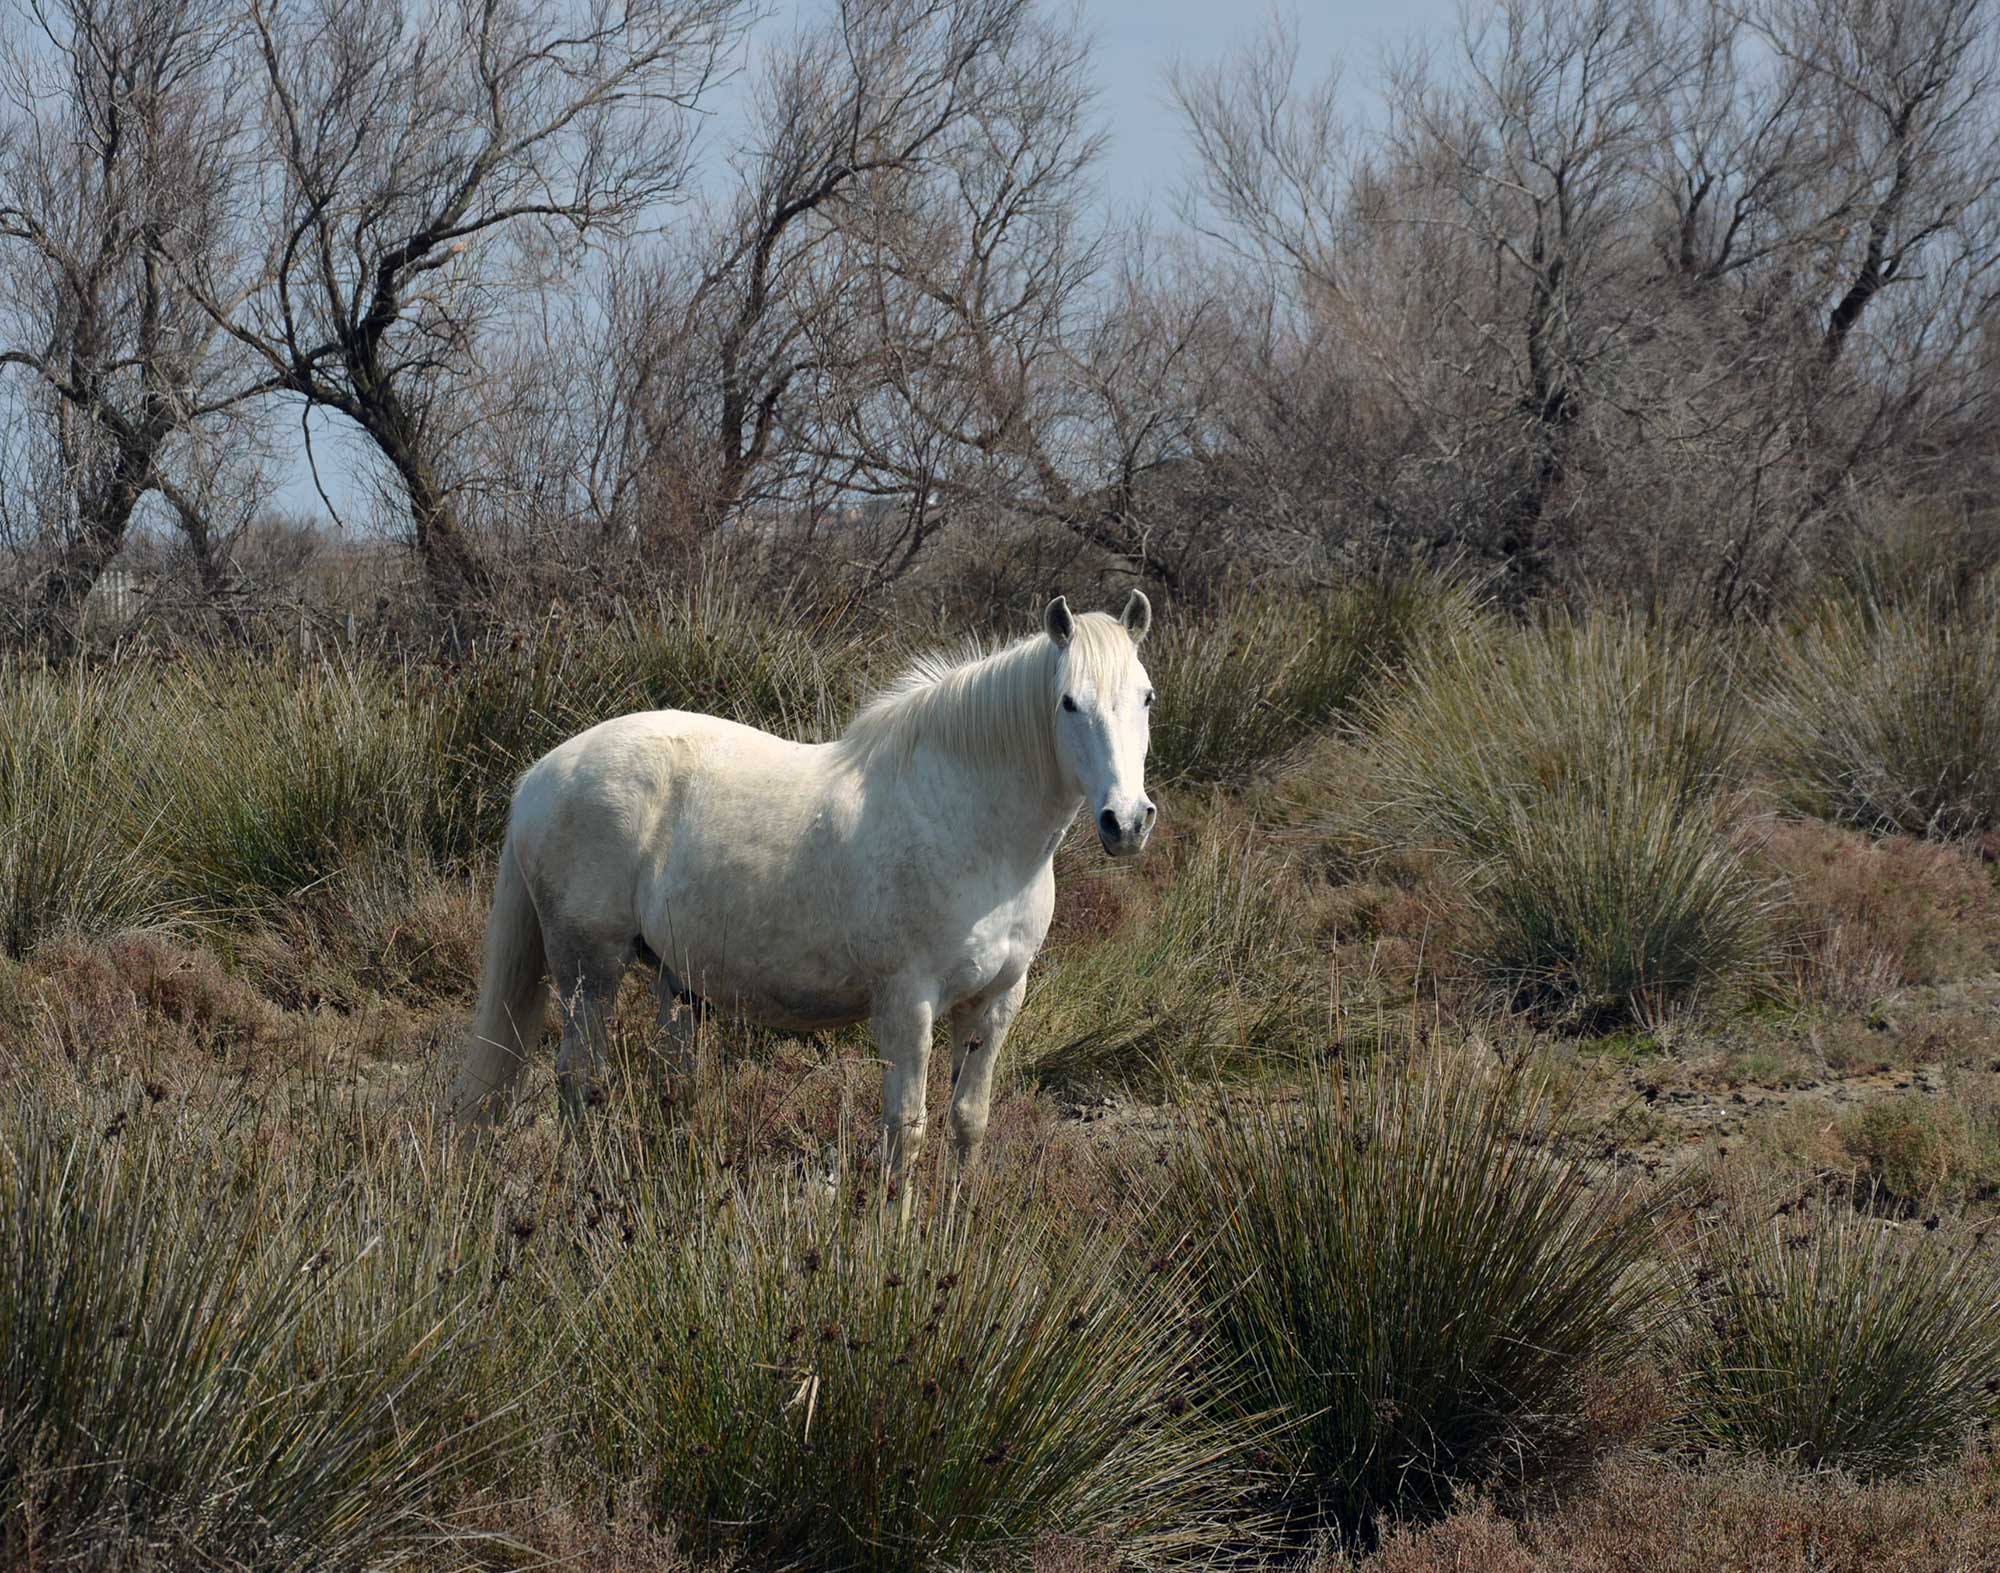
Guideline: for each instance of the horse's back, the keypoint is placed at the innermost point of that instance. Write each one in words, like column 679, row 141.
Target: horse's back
column 646, row 740
column 632, row 758
column 628, row 780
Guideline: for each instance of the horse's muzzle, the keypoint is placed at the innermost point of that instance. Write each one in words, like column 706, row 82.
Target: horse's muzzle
column 1125, row 835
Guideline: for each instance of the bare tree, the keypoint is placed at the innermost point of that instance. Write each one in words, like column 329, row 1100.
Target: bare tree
column 1735, row 149
column 1908, row 87
column 1838, row 168
column 1019, row 375
column 431, row 166
column 118, row 168
column 746, row 339
column 1534, row 154
column 1650, row 293
column 1349, row 419
column 1609, row 263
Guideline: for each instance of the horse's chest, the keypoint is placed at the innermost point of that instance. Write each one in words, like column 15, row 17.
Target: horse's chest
column 997, row 946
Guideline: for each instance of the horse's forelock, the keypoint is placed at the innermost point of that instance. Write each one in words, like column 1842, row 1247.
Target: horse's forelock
column 1100, row 652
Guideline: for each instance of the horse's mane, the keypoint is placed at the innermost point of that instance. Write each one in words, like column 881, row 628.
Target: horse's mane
column 988, row 707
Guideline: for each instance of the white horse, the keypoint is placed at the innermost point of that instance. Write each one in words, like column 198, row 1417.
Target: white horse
column 901, row 873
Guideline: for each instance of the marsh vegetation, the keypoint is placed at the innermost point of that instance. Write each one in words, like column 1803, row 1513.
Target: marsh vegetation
column 1480, row 1119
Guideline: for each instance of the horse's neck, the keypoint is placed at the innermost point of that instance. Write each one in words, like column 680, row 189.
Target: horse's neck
column 1011, row 815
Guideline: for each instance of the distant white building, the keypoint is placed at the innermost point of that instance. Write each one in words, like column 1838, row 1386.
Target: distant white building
column 118, row 596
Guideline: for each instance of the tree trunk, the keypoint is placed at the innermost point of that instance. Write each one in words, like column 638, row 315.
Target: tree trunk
column 215, row 583
column 1550, row 407
column 457, row 579
column 56, row 623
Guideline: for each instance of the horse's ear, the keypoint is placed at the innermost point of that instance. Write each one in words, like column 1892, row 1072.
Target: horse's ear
column 1137, row 616
column 1061, row 624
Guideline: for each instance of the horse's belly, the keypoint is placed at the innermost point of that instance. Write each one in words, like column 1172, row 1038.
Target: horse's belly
column 793, row 1006
column 745, row 902
column 770, row 980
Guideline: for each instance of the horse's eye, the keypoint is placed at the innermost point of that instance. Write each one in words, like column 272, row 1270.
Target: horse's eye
column 1149, row 699
column 1068, row 702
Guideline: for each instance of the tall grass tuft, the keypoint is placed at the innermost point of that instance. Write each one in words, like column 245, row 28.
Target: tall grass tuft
column 1575, row 776
column 78, row 845
column 1239, row 691
column 1211, row 974
column 168, row 1388
column 1417, row 1267
column 272, row 780
column 1601, row 907
column 1932, row 555
column 1493, row 723
column 1889, row 718
column 1838, row 1342
column 815, row 1385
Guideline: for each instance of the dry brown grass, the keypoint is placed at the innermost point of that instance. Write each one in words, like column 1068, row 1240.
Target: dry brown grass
column 1920, row 1153
column 142, row 999
column 1645, row 1515
column 616, row 1533
column 1866, row 916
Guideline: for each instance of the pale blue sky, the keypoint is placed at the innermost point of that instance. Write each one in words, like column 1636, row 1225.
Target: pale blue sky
column 1144, row 163
column 1138, row 40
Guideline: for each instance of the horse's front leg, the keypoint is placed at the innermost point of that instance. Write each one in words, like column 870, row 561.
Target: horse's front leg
column 902, row 1027
column 977, row 1031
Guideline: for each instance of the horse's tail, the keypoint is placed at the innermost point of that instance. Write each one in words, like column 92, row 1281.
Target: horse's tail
column 513, row 994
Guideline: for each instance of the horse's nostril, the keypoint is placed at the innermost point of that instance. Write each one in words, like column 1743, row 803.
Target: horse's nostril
column 1108, row 823
column 1150, row 812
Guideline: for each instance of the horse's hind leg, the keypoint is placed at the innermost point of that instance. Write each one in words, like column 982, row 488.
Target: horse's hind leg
column 680, row 1024
column 586, row 975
